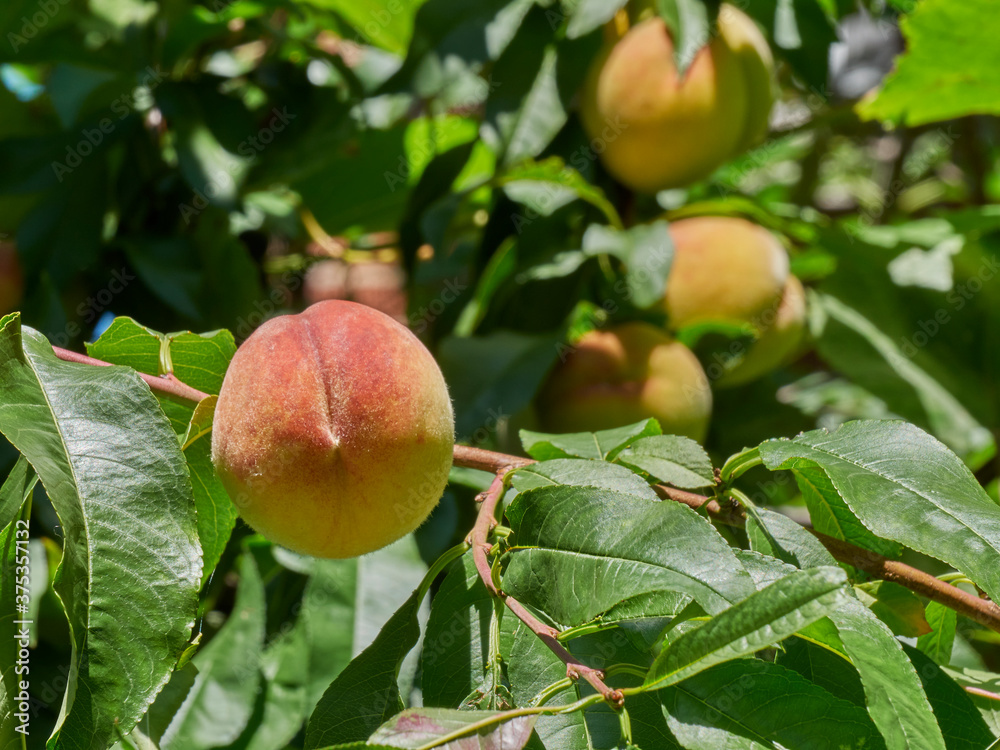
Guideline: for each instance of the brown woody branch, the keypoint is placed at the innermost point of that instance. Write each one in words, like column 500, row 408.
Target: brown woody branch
column 166, row 384
column 486, row 521
column 982, row 611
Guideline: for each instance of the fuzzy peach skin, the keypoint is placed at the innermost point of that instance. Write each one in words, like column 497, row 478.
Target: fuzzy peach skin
column 624, row 375
column 756, row 62
column 779, row 340
column 724, row 269
column 334, row 430
column 657, row 129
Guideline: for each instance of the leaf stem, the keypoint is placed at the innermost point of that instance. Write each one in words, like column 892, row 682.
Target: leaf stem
column 514, row 713
column 551, row 691
column 446, row 559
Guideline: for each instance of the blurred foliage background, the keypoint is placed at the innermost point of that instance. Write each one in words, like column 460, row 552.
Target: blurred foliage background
column 204, row 165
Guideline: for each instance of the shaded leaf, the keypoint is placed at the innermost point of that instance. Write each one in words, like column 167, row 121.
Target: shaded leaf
column 753, row 705
column 14, row 588
column 222, row 697
column 896, row 606
column 961, row 724
column 779, row 536
column 365, row 694
column 647, row 252
column 939, row 642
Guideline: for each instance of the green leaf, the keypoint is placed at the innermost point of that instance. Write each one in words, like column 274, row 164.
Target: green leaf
column 642, row 547
column 200, row 360
column 455, row 653
column 896, row 700
column 301, row 661
column 532, row 667
column 526, row 111
column 763, row 618
column 896, row 606
column 501, row 265
column 417, row 727
column 328, row 617
column 938, row 643
column 689, row 22
column 850, row 339
column 970, row 84
column 366, row 694
column 17, row 487
column 131, row 564
column 751, row 704
column 672, row 459
column 986, row 682
column 547, row 185
column 495, row 376
column 221, row 700
column 904, row 485
column 581, row 473
column 387, row 26
column 601, row 446
column 802, row 33
column 14, row 587
column 647, row 252
column 779, row 536
column 587, row 15
column 961, row 724
column 827, row 667
column 832, row 516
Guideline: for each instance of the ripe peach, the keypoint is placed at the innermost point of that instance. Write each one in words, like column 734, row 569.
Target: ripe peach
column 778, row 342
column 724, row 269
column 11, row 279
column 334, row 429
column 624, row 375
column 658, row 129
column 757, row 63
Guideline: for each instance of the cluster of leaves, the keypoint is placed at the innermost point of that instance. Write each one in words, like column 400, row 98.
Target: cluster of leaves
column 715, row 635
column 153, row 151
